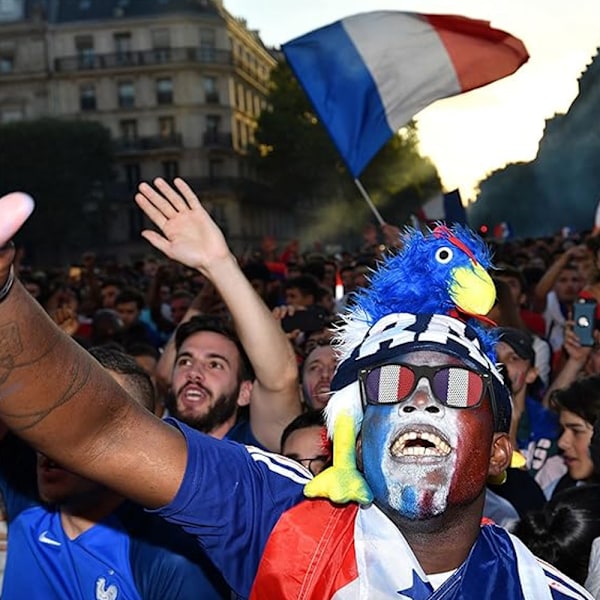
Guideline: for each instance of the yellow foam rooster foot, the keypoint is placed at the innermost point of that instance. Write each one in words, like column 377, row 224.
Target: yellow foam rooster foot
column 340, row 485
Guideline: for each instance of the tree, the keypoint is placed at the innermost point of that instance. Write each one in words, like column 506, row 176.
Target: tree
column 294, row 153
column 62, row 164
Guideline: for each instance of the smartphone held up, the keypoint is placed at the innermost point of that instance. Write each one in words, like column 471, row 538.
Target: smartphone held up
column 584, row 320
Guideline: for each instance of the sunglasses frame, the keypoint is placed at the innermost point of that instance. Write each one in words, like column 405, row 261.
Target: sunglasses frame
column 427, row 372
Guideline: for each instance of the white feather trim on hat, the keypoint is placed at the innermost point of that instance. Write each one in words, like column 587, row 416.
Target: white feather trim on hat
column 347, row 400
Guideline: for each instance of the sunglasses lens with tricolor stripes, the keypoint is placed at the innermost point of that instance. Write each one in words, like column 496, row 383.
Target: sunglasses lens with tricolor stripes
column 457, row 387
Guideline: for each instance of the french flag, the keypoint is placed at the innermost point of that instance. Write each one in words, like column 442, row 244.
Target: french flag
column 446, row 207
column 369, row 74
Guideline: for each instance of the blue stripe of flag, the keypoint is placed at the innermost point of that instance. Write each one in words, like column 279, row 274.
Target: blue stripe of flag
column 342, row 91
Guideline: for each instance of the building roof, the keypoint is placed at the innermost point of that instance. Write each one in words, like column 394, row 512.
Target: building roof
column 65, row 11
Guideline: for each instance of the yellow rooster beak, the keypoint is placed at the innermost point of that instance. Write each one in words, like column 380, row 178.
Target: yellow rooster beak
column 473, row 290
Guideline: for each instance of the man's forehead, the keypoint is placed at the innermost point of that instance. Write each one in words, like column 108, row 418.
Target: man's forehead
column 431, row 358
column 509, row 279
column 209, row 342
column 321, row 352
column 503, row 349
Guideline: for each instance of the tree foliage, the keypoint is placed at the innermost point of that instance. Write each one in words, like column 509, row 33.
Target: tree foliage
column 296, row 156
column 61, row 164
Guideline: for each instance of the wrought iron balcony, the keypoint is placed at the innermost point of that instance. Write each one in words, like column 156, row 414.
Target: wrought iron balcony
column 143, row 58
column 153, row 142
column 216, row 139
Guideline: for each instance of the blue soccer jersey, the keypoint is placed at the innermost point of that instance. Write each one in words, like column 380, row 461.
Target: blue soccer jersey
column 105, row 562
column 129, row 555
column 231, row 497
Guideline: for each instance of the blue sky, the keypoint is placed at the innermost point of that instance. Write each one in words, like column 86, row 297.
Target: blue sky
column 469, row 136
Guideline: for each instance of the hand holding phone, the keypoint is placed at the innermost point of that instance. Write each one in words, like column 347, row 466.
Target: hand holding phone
column 584, row 320
column 312, row 319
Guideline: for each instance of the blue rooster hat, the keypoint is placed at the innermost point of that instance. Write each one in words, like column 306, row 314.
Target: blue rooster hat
column 432, row 295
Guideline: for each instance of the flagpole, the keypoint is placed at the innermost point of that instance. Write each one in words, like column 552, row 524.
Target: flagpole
column 368, row 200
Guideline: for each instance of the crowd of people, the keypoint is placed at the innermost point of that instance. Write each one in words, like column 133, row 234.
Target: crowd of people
column 210, row 390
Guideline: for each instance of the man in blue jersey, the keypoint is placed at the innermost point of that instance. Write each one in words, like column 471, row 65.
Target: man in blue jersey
column 84, row 541
column 420, row 391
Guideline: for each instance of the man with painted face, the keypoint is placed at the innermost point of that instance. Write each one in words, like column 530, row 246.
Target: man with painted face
column 418, row 393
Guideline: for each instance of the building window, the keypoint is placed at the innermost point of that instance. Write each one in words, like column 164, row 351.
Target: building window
column 7, row 63
column 215, row 169
column 210, row 90
column 170, row 169
column 249, row 101
column 128, row 129
column 87, row 97
column 126, row 94
column 164, row 91
column 213, row 123
column 84, row 48
column 161, row 38
column 11, row 115
column 132, row 175
column 161, row 44
column 207, row 45
column 122, row 43
column 238, row 133
column 207, row 38
column 166, row 127
column 240, row 98
column 244, row 136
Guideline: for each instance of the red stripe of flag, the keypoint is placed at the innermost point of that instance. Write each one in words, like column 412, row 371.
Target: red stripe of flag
column 480, row 54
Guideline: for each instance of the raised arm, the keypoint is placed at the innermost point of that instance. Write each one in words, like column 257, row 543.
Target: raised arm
column 577, row 356
column 546, row 283
column 59, row 399
column 190, row 236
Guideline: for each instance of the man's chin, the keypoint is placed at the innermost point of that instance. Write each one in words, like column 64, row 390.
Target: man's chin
column 320, row 401
column 193, row 420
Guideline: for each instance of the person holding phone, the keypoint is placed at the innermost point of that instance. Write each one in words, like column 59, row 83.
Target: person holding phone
column 581, row 360
column 584, row 320
column 534, row 428
column 578, row 407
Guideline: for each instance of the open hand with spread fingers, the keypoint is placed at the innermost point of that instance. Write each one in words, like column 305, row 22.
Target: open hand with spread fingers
column 189, row 234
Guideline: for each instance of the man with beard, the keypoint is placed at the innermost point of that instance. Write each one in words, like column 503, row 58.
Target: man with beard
column 317, row 371
column 212, row 380
column 233, row 378
column 433, row 414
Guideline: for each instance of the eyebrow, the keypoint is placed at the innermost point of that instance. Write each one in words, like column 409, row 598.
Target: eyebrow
column 572, row 425
column 187, row 353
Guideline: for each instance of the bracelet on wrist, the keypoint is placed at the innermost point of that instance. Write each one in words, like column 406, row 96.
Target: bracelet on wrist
column 5, row 290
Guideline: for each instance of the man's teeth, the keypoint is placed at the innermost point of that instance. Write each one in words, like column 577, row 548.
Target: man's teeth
column 416, row 443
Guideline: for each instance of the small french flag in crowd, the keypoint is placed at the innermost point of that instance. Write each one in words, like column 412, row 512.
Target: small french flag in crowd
column 369, row 74
column 446, row 207
column 502, row 231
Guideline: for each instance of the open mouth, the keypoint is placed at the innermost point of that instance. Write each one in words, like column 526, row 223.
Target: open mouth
column 420, row 442
column 193, row 394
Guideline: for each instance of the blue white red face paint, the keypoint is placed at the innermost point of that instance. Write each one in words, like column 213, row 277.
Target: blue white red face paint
column 412, row 450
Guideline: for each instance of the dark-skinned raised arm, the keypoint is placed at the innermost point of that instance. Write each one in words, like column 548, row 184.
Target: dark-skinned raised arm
column 59, row 399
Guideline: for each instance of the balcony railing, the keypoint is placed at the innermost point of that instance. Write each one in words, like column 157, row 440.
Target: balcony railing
column 216, row 139
column 143, row 58
column 154, row 142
